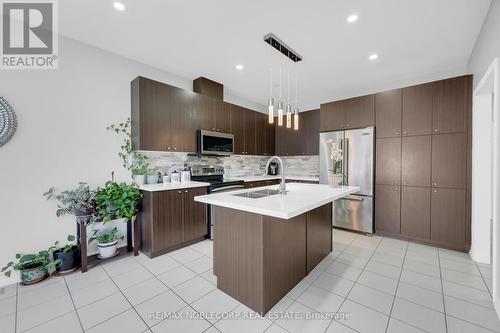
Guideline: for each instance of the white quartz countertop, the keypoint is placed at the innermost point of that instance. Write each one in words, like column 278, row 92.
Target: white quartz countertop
column 259, row 178
column 300, row 198
column 171, row 186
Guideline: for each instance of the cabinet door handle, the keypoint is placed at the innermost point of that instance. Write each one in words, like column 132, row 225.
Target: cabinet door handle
column 397, row 133
column 186, row 191
column 348, row 125
column 435, row 183
column 218, row 130
column 396, row 182
column 436, row 130
column 406, row 133
column 341, row 125
column 396, row 188
column 179, row 192
column 213, row 128
column 435, row 191
column 168, row 148
column 175, row 148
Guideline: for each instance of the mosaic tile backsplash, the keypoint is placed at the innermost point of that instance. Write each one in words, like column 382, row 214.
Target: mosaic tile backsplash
column 235, row 165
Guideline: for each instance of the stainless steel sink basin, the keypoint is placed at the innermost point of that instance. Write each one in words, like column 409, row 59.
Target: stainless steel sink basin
column 257, row 194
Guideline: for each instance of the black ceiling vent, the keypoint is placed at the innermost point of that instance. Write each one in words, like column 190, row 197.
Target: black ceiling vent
column 287, row 51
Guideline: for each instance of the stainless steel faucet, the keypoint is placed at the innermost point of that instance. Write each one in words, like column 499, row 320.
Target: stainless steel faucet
column 282, row 187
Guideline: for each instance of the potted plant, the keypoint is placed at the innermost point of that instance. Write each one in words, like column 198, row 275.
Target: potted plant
column 79, row 201
column 335, row 175
column 69, row 255
column 33, row 268
column 133, row 161
column 118, row 200
column 107, row 242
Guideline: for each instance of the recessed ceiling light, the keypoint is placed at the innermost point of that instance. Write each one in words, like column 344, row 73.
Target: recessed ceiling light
column 373, row 56
column 352, row 18
column 239, row 67
column 119, row 6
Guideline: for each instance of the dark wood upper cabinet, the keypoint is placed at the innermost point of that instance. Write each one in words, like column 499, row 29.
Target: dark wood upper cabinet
column 260, row 133
column 449, row 160
column 360, row 112
column 250, row 134
column 388, row 161
column 416, row 161
column 416, row 212
column 309, row 132
column 388, row 209
column 183, row 124
column 388, row 112
column 208, row 88
column 281, row 139
column 238, row 128
column 332, row 116
column 270, row 138
column 417, row 109
column 451, row 103
column 221, row 116
column 448, row 225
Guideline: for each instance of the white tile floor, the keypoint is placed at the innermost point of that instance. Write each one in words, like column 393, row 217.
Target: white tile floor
column 379, row 284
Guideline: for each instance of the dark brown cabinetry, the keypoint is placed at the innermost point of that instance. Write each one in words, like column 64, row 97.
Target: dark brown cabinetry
column 449, row 160
column 250, row 138
column 451, row 101
column 350, row 113
column 309, row 132
column 388, row 209
column 448, row 222
column 238, row 128
column 416, row 212
column 388, row 108
column 388, row 161
column 416, row 161
column 270, row 138
column 417, row 109
column 260, row 183
column 172, row 219
column 318, row 242
column 221, row 115
column 209, row 88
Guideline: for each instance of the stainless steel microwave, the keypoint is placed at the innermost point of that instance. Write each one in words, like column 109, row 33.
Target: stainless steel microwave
column 215, row 143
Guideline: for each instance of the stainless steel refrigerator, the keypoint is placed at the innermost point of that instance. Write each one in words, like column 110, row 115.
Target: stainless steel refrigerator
column 347, row 158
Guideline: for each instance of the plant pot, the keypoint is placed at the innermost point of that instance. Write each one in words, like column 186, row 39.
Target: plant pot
column 140, row 179
column 70, row 261
column 335, row 179
column 152, row 179
column 33, row 273
column 107, row 250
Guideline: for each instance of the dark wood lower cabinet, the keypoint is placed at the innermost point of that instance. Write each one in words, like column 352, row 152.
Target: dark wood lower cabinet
column 387, row 209
column 416, row 212
column 448, row 225
column 171, row 220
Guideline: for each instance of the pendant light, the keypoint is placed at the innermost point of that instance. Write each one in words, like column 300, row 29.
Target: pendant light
column 270, row 105
column 288, row 106
column 296, row 113
column 280, row 106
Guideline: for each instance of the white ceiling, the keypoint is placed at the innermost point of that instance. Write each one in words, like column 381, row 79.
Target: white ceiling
column 209, row 37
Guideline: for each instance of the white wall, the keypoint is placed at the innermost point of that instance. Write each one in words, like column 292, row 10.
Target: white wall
column 487, row 46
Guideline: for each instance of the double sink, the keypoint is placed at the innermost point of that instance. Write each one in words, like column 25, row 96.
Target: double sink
column 257, row 194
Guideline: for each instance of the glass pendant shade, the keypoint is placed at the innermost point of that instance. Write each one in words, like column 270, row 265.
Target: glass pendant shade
column 296, row 119
column 271, row 110
column 280, row 113
column 288, row 116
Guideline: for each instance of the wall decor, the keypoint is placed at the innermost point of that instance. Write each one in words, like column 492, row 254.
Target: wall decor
column 8, row 121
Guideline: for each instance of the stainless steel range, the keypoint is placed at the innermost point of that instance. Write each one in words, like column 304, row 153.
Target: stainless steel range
column 215, row 176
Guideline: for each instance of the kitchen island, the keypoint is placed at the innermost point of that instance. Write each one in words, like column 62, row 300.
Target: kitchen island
column 265, row 243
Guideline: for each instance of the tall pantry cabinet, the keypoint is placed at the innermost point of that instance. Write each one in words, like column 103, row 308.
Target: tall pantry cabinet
column 423, row 144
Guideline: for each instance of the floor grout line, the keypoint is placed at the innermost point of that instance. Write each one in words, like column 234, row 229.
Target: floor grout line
column 484, row 280
column 17, row 301
column 442, row 291
column 397, row 286
column 74, row 305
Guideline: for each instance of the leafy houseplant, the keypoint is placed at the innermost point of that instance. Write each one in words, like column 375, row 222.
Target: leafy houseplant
column 33, row 268
column 78, row 202
column 69, row 254
column 118, row 200
column 133, row 161
column 106, row 242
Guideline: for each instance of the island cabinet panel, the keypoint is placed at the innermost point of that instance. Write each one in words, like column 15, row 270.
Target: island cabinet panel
column 171, row 220
column 451, row 102
column 416, row 161
column 448, row 225
column 319, row 242
column 388, row 112
column 449, row 160
column 417, row 109
column 416, row 212
column 388, row 209
column 388, row 161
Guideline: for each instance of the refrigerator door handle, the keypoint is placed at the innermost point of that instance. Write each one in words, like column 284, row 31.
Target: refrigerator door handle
column 346, row 162
column 352, row 198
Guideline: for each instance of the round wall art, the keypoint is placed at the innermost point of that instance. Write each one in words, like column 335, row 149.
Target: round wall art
column 8, row 121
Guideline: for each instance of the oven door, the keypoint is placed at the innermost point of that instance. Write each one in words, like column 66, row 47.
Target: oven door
column 215, row 143
column 228, row 188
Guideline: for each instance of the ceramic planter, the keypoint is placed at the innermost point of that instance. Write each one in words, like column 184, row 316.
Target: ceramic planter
column 70, row 261
column 107, row 250
column 140, row 179
column 33, row 273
